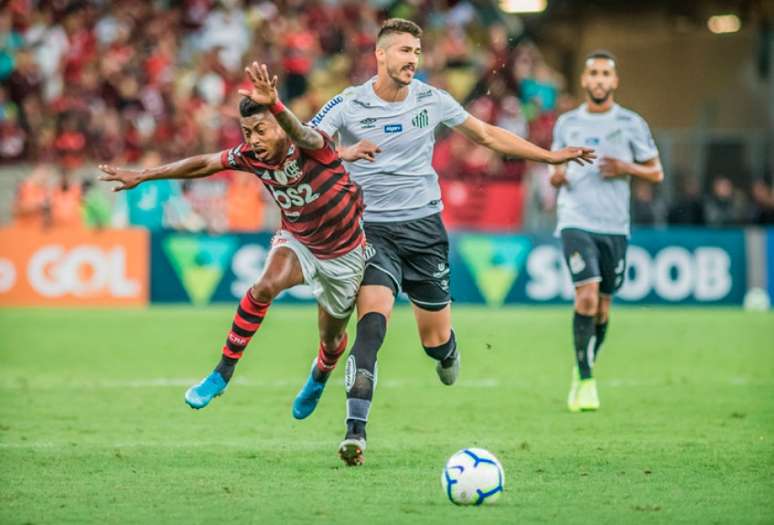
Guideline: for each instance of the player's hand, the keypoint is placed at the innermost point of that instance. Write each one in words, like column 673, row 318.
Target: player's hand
column 363, row 150
column 558, row 179
column 580, row 155
column 611, row 168
column 128, row 178
column 264, row 89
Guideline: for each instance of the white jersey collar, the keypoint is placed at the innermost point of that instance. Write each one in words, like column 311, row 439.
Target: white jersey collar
column 376, row 100
column 583, row 110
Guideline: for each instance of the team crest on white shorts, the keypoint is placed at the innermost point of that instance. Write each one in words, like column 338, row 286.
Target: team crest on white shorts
column 577, row 264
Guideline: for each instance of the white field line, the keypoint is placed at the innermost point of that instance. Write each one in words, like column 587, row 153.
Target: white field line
column 174, row 382
column 241, row 382
column 264, row 444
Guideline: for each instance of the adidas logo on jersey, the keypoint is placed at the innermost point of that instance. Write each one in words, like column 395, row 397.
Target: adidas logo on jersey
column 421, row 120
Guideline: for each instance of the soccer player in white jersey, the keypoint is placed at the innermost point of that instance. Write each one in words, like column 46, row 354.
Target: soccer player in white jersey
column 593, row 209
column 387, row 132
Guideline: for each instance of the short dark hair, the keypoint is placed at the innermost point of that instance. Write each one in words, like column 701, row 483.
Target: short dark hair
column 248, row 107
column 601, row 53
column 399, row 25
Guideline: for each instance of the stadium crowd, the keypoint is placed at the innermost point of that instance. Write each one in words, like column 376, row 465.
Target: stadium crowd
column 139, row 83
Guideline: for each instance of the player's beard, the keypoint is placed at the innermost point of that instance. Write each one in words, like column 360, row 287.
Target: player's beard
column 395, row 75
column 599, row 100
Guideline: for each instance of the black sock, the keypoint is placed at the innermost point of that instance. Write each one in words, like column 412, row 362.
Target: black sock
column 601, row 331
column 356, row 428
column 360, row 374
column 444, row 353
column 584, row 336
column 226, row 367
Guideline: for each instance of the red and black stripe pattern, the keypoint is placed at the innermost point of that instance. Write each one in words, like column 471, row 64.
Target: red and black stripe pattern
column 321, row 206
column 326, row 362
column 247, row 321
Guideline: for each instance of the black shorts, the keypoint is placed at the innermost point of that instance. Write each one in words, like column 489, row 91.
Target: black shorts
column 595, row 257
column 412, row 256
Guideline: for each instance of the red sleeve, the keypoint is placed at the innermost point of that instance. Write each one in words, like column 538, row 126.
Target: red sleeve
column 327, row 153
column 234, row 158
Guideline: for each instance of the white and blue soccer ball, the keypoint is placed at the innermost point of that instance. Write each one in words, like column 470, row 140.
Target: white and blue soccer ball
column 473, row 476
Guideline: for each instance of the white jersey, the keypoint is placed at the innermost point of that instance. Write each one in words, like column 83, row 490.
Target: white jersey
column 401, row 183
column 589, row 201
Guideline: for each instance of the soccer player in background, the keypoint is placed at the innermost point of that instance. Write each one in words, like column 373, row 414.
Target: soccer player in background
column 593, row 210
column 387, row 132
column 320, row 243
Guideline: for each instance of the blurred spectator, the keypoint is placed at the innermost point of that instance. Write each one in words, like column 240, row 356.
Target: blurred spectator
column 226, row 32
column 70, row 142
column 763, row 197
column 301, row 46
column 12, row 138
column 689, row 208
column 96, row 207
column 179, row 211
column 32, row 207
column 66, row 203
column 244, row 202
column 724, row 206
column 646, row 208
column 10, row 42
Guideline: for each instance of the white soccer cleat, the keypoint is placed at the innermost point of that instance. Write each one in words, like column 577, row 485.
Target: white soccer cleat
column 448, row 375
column 572, row 397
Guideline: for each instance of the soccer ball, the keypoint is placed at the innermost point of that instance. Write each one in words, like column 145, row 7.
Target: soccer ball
column 473, row 476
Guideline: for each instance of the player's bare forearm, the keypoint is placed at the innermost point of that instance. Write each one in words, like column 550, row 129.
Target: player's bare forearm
column 502, row 141
column 188, row 168
column 303, row 136
column 506, row 143
column 650, row 171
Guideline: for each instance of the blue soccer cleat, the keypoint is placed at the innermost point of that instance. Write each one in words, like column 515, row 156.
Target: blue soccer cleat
column 308, row 397
column 199, row 396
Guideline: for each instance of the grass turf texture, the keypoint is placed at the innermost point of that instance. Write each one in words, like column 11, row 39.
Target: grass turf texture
column 93, row 427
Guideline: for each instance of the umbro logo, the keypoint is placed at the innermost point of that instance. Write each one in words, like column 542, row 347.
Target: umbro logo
column 368, row 123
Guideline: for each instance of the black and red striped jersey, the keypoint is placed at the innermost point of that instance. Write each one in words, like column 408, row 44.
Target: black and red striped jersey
column 321, row 206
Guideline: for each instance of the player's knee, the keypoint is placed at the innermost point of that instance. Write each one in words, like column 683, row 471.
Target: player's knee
column 434, row 337
column 587, row 301
column 442, row 349
column 265, row 290
column 375, row 299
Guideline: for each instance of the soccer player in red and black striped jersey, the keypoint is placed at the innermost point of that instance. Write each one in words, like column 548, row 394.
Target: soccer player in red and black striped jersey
column 321, row 242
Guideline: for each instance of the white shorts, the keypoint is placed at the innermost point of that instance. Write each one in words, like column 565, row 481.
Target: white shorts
column 334, row 282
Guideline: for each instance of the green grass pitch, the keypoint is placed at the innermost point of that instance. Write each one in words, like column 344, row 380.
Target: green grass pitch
column 93, row 428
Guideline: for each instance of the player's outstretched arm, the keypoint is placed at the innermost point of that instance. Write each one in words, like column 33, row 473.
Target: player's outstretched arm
column 188, row 168
column 506, row 143
column 264, row 92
